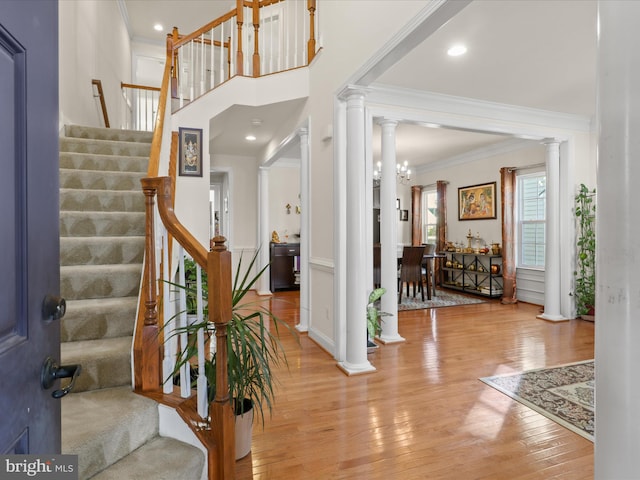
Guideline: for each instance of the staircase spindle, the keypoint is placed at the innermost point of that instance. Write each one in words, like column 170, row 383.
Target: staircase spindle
column 185, row 369
column 169, row 327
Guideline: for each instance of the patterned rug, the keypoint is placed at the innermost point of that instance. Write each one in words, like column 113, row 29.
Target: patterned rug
column 564, row 394
column 441, row 299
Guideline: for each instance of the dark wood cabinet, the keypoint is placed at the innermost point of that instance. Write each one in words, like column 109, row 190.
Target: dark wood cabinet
column 285, row 266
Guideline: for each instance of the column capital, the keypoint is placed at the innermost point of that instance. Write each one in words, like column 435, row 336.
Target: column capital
column 302, row 131
column 384, row 121
column 551, row 141
column 353, row 92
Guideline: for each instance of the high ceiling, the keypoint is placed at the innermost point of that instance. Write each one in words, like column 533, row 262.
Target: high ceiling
column 534, row 53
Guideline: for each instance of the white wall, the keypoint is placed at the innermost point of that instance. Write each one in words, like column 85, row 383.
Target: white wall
column 284, row 189
column 93, row 44
column 485, row 169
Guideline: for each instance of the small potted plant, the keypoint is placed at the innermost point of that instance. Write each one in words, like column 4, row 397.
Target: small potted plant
column 585, row 273
column 374, row 318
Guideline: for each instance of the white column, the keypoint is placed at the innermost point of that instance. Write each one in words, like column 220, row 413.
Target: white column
column 388, row 234
column 356, row 258
column 552, row 270
column 303, row 326
column 617, row 325
column 264, row 237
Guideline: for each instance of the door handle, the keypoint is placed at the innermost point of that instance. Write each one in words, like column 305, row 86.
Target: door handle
column 51, row 372
column 53, row 308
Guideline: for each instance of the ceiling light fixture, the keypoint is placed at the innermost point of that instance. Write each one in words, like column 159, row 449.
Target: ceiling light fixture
column 158, row 27
column 250, row 138
column 457, row 50
column 403, row 173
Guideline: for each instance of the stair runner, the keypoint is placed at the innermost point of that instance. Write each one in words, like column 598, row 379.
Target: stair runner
column 113, row 431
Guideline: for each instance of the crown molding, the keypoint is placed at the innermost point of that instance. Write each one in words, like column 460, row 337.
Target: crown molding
column 510, row 145
column 419, row 106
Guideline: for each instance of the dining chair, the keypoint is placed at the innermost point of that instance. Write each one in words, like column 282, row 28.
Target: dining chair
column 411, row 271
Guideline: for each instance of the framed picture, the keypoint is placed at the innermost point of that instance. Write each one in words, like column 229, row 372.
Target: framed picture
column 190, row 164
column 404, row 215
column 477, row 202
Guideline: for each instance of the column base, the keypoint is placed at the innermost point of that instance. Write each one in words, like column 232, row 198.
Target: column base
column 302, row 328
column 263, row 293
column 391, row 339
column 351, row 369
column 553, row 318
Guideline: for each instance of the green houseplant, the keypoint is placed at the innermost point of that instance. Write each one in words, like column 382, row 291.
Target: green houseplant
column 585, row 273
column 253, row 347
column 374, row 317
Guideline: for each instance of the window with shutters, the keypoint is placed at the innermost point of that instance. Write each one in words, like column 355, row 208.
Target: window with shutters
column 531, row 194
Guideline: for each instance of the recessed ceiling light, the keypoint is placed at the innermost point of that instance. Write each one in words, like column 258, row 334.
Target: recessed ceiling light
column 158, row 27
column 457, row 50
column 250, row 138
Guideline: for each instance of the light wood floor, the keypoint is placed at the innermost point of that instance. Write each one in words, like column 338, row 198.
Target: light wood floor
column 423, row 414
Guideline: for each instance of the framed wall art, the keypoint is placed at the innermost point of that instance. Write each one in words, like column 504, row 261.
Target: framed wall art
column 190, row 164
column 477, row 202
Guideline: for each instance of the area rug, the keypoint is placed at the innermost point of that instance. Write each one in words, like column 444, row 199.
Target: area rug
column 565, row 394
column 441, row 299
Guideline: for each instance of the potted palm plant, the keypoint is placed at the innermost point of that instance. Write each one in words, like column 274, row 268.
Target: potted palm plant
column 254, row 348
column 585, row 273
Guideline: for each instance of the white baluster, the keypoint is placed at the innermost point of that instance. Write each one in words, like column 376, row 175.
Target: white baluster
column 202, row 68
column 222, row 51
column 192, row 71
column 232, row 51
column 295, row 36
column 181, row 76
column 170, row 340
column 203, row 404
column 185, row 369
column 212, row 74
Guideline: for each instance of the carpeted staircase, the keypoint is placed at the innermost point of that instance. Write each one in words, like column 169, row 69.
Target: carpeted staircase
column 113, row 431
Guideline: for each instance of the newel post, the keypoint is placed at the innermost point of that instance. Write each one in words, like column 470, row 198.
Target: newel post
column 239, row 55
column 147, row 345
column 172, row 54
column 311, row 44
column 222, row 419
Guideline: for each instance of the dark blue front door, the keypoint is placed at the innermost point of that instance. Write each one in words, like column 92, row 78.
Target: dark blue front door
column 29, row 235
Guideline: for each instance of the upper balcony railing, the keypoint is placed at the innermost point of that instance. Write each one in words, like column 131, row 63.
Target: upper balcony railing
column 258, row 37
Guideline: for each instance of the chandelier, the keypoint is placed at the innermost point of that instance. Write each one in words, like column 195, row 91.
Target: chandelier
column 403, row 173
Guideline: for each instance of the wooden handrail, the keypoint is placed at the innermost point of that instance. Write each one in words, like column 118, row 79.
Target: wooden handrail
column 139, row 87
column 103, row 104
column 183, row 39
column 156, row 142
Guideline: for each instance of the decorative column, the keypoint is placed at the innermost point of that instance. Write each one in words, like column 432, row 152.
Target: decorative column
column 388, row 233
column 617, row 327
column 303, row 326
column 552, row 270
column 356, row 259
column 264, row 237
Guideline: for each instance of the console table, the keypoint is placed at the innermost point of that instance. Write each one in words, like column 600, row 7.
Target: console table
column 285, row 266
column 473, row 273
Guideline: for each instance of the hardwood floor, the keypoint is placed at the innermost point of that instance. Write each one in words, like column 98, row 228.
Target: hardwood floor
column 423, row 414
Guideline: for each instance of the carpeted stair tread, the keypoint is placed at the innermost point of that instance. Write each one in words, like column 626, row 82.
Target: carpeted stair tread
column 104, row 147
column 88, row 224
column 101, row 250
column 96, row 318
column 100, row 179
column 99, row 281
column 109, row 163
column 99, row 133
column 101, row 200
column 159, row 459
column 105, row 363
column 103, row 426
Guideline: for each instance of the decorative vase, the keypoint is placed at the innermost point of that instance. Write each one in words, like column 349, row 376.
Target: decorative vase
column 495, row 269
column 495, row 248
